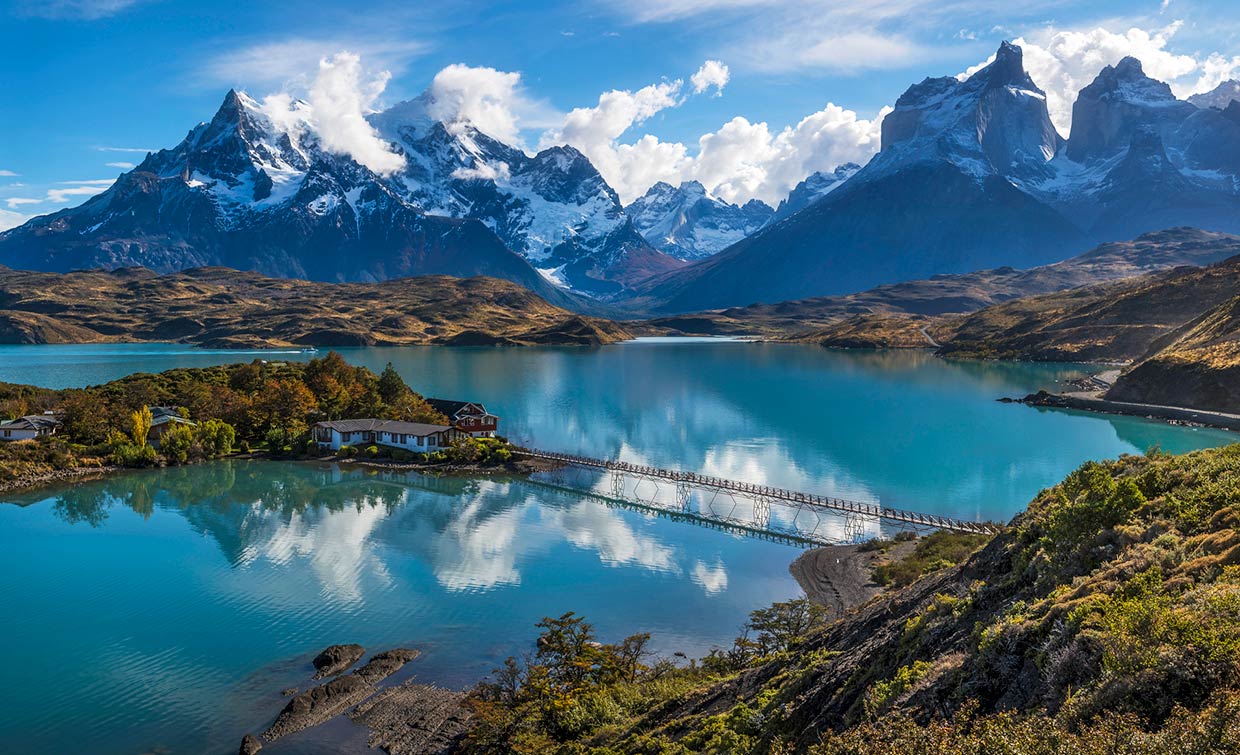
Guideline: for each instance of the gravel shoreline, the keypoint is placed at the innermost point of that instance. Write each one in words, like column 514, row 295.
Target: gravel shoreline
column 841, row 577
column 70, row 474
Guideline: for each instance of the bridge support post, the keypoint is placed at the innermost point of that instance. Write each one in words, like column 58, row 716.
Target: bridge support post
column 683, row 494
column 854, row 529
column 761, row 511
column 617, row 484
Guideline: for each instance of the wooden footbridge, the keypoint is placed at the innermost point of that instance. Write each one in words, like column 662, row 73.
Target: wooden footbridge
column 627, row 481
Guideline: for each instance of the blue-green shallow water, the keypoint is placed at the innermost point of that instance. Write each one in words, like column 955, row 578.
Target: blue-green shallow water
column 904, row 428
column 161, row 611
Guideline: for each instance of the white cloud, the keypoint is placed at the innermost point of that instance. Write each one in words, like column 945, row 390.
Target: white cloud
column 596, row 131
column 713, row 73
column 840, row 36
column 135, row 150
column 340, row 99
column 121, row 165
column 498, row 172
column 744, row 160
column 8, row 173
column 288, row 63
column 15, row 202
column 674, row 10
column 80, row 9
column 1063, row 61
column 79, row 189
column 739, row 162
column 487, row 98
column 712, row 579
column 336, row 106
column 10, row 219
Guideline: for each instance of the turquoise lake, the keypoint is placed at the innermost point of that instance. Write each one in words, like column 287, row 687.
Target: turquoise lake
column 162, row 611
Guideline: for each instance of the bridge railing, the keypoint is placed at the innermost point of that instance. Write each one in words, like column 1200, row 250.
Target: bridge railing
column 765, row 491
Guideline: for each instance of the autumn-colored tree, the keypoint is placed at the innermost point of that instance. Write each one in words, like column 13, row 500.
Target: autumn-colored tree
column 87, row 417
column 413, row 408
column 13, row 408
column 286, row 405
column 140, row 422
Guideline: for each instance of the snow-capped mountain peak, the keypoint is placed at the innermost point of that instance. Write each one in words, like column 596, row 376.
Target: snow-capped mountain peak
column 815, row 186
column 1219, row 97
column 685, row 221
column 554, row 207
column 1120, row 101
column 994, row 122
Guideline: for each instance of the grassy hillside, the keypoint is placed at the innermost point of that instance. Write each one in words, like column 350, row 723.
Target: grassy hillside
column 1181, row 329
column 1198, row 365
column 1120, row 321
column 1105, row 619
column 224, row 308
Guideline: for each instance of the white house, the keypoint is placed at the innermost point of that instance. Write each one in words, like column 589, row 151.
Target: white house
column 29, row 427
column 410, row 436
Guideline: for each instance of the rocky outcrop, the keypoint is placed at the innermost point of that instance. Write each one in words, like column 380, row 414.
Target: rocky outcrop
column 336, row 659
column 1219, row 97
column 250, row 745
column 815, row 186
column 326, row 701
column 1120, row 102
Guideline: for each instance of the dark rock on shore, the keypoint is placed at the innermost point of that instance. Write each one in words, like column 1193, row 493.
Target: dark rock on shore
column 326, row 701
column 250, row 745
column 384, row 664
column 336, row 659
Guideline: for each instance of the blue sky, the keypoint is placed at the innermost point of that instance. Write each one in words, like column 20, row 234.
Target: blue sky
column 86, row 80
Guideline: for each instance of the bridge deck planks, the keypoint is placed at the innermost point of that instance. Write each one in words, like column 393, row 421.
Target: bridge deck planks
column 780, row 494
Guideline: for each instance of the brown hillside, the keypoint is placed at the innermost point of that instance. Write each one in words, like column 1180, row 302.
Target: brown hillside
column 219, row 307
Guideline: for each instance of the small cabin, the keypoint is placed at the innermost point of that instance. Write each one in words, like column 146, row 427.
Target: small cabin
column 410, row 436
column 163, row 419
column 469, row 417
column 29, row 427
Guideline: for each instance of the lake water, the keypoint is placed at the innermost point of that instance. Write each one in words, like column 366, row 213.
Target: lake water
column 161, row 611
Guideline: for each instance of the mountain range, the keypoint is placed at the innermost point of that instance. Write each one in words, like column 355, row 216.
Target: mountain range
column 243, row 192
column 971, row 175
column 688, row 223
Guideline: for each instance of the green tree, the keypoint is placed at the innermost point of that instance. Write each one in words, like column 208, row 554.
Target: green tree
column 392, row 386
column 216, row 437
column 177, row 444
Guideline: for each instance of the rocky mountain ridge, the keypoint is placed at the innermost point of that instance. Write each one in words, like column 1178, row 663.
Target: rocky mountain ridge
column 972, row 174
column 688, row 223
